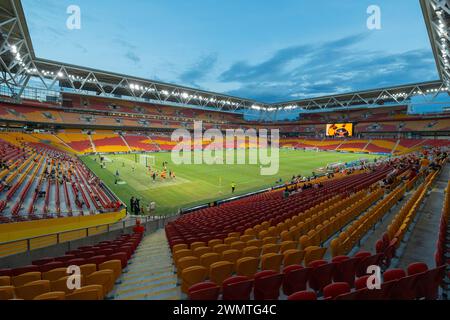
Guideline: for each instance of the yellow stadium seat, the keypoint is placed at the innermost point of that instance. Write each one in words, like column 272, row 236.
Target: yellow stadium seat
column 6, row 292
column 54, row 274
column 335, row 247
column 187, row 262
column 293, row 256
column 88, row 269
column 254, row 243
column 251, row 251
column 246, row 238
column 286, row 236
column 238, row 245
column 271, row 261
column 247, row 266
column 234, row 235
column 270, row 248
column 313, row 253
column 114, row 265
column 287, row 245
column 304, row 242
column 178, row 247
column 198, row 252
column 231, row 255
column 250, row 232
column 5, row 281
column 191, row 276
column 91, row 292
column 212, row 243
column 219, row 248
column 25, row 278
column 230, row 240
column 197, row 244
column 32, row 289
column 61, row 285
column 219, row 271
column 58, row 295
column 208, row 259
column 181, row 254
column 105, row 278
column 269, row 240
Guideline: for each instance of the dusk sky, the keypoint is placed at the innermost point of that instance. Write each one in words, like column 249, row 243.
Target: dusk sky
column 271, row 50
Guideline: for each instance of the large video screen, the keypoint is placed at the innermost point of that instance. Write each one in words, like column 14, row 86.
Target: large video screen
column 340, row 130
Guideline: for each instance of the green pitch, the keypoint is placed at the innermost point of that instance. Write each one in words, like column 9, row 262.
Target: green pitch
column 199, row 184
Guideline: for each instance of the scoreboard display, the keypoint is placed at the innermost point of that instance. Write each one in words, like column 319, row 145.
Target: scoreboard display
column 340, row 130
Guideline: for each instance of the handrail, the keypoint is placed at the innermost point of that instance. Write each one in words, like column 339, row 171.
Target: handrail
column 130, row 221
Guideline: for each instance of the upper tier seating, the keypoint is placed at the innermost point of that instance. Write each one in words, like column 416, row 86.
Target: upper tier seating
column 40, row 181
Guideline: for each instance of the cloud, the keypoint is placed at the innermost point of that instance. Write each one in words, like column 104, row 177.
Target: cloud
column 133, row 57
column 332, row 67
column 199, row 70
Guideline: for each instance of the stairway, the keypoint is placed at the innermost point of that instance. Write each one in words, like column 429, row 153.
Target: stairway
column 92, row 143
column 126, row 143
column 149, row 275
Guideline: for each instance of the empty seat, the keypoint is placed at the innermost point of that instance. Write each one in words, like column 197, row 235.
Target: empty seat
column 52, row 265
column 113, row 265
column 271, row 261
column 25, row 278
column 333, row 290
column 25, row 269
column 63, row 285
column 293, row 257
column 321, row 274
column 32, row 289
column 204, row 291
column 417, row 267
column 6, row 292
column 88, row 269
column 345, row 270
column 295, row 279
column 191, row 276
column 54, row 274
column 251, row 251
column 267, row 285
column 219, row 271
column 58, row 295
column 237, row 288
column 231, row 255
column 313, row 253
column 42, row 261
column 5, row 281
column 91, row 292
column 247, row 266
column 303, row 295
column 105, row 278
column 393, row 274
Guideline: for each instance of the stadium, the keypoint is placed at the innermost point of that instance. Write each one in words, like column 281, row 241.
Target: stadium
column 118, row 187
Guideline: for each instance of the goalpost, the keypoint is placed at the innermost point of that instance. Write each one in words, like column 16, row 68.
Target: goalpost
column 147, row 160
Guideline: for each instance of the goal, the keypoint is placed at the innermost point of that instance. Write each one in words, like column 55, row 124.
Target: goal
column 146, row 160
column 312, row 149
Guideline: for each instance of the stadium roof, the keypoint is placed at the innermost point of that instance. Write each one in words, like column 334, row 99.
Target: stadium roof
column 19, row 65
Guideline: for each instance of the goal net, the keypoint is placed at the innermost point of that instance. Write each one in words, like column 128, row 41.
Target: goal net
column 146, row 160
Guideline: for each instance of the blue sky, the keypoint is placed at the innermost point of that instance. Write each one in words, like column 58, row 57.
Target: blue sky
column 271, row 50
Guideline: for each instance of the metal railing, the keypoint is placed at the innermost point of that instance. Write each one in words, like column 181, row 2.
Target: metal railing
column 32, row 243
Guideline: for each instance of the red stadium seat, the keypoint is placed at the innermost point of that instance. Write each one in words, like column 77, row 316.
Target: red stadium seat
column 237, row 288
column 303, row 295
column 267, row 285
column 295, row 279
column 204, row 291
column 333, row 290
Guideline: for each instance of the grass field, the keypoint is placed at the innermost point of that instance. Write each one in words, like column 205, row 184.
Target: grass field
column 198, row 184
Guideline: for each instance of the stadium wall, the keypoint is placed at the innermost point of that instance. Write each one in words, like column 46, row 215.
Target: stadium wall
column 29, row 229
column 26, row 258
